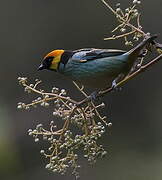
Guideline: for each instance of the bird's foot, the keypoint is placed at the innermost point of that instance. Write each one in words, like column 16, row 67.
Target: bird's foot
column 114, row 86
column 93, row 96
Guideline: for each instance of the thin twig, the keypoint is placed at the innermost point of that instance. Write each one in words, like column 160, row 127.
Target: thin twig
column 120, row 36
column 85, row 121
column 80, row 89
column 49, row 94
column 123, row 20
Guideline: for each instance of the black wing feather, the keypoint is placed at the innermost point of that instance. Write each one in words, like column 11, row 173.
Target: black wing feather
column 92, row 54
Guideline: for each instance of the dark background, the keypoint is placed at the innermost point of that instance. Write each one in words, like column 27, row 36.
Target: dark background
column 28, row 30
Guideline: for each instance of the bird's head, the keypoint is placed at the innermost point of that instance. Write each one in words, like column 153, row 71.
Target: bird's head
column 51, row 60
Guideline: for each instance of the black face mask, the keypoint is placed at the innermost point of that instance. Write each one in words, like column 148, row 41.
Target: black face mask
column 46, row 63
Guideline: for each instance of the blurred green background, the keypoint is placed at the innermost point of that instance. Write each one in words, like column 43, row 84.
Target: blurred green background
column 28, row 30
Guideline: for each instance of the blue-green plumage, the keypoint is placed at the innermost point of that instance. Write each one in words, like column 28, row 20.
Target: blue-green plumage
column 99, row 67
column 95, row 73
column 96, row 68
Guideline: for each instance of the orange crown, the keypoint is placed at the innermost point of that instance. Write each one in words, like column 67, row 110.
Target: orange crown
column 55, row 53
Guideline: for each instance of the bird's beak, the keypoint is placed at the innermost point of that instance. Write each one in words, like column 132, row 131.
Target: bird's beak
column 41, row 67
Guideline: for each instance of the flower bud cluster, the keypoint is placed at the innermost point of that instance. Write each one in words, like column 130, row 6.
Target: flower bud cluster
column 22, row 80
column 136, row 2
column 129, row 25
column 62, row 152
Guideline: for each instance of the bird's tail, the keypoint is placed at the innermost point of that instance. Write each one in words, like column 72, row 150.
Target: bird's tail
column 136, row 51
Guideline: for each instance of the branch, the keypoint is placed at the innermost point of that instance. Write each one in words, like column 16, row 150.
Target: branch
column 124, row 20
column 85, row 115
column 125, row 80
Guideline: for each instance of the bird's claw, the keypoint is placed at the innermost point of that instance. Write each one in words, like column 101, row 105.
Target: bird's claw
column 93, row 96
column 114, row 86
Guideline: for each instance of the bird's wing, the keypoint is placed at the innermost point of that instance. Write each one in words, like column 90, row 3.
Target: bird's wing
column 89, row 54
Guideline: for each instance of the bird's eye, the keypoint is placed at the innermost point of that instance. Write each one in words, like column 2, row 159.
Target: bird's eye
column 49, row 59
column 47, row 62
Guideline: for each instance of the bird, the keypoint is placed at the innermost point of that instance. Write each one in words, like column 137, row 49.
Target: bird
column 92, row 67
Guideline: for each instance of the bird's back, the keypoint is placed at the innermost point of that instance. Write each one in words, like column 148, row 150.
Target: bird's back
column 94, row 67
